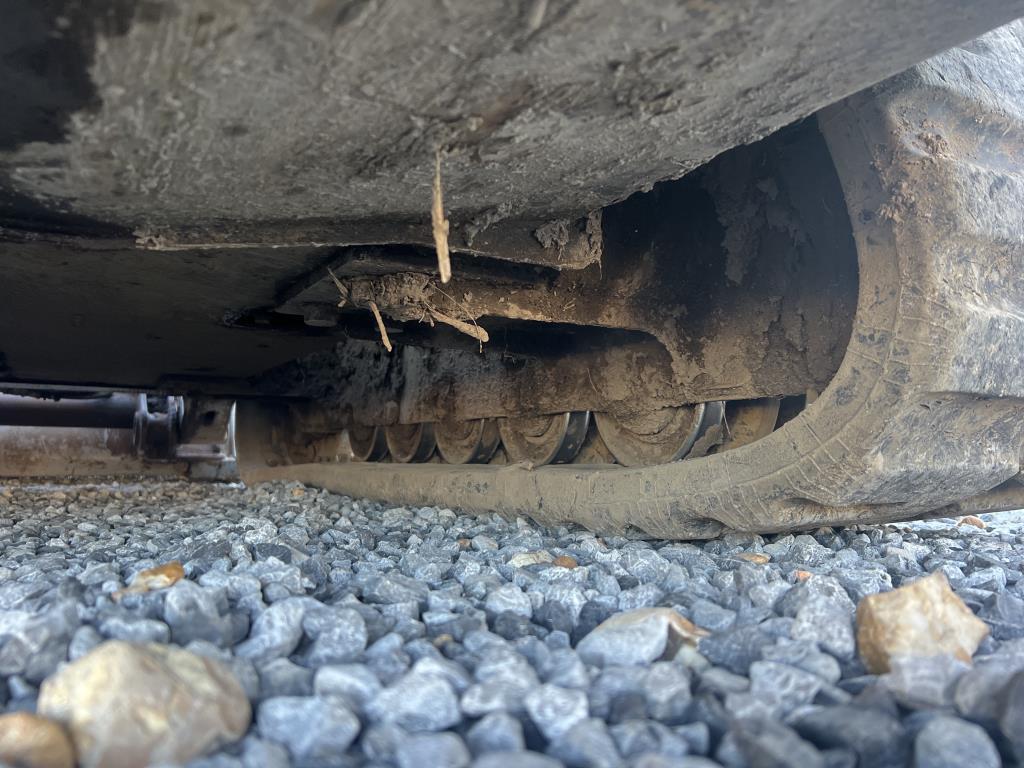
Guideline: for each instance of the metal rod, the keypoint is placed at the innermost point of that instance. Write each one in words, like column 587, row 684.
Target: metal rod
column 116, row 411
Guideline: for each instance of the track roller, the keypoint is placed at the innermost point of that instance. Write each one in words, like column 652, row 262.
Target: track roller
column 750, row 420
column 541, row 440
column 467, row 442
column 410, row 443
column 657, row 438
column 368, row 443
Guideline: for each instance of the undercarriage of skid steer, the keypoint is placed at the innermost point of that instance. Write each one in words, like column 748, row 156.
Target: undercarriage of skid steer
column 717, row 307
column 823, row 327
column 818, row 324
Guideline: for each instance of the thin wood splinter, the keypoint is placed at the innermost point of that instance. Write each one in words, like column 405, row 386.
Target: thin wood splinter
column 473, row 330
column 439, row 224
column 380, row 326
column 342, row 290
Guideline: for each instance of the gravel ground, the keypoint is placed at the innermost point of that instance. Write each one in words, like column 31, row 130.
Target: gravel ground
column 365, row 634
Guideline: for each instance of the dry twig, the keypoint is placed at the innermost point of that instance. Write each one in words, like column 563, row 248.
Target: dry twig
column 473, row 330
column 346, row 295
column 380, row 326
column 439, row 224
column 342, row 290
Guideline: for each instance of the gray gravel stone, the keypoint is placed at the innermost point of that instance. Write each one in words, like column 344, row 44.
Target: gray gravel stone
column 614, row 686
column 696, row 735
column 634, row 738
column 1004, row 613
column 949, row 742
column 259, row 753
column 379, row 742
column 759, row 706
column 586, row 744
column 394, row 588
column 768, row 595
column 509, row 597
column 861, row 582
column 736, row 649
column 555, row 710
column 827, row 624
column 135, row 630
column 493, row 696
column 645, row 565
column 792, row 687
column 316, row 731
column 565, row 668
column 416, row 702
column 666, row 688
column 1011, row 715
column 978, row 693
column 353, row 682
column 919, row 682
column 711, row 616
column 192, row 613
column 426, row 749
column 344, row 640
column 455, row 675
column 805, row 550
column 639, row 638
column 84, row 640
column 276, row 631
column 823, row 590
column 280, row 677
column 515, row 760
column 804, row 655
column 722, row 681
column 769, row 744
column 496, row 732
column 878, row 738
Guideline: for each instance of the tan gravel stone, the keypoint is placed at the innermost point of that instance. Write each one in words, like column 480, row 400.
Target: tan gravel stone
column 523, row 559
column 757, row 558
column 129, row 705
column 158, row 577
column 924, row 618
column 30, row 741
